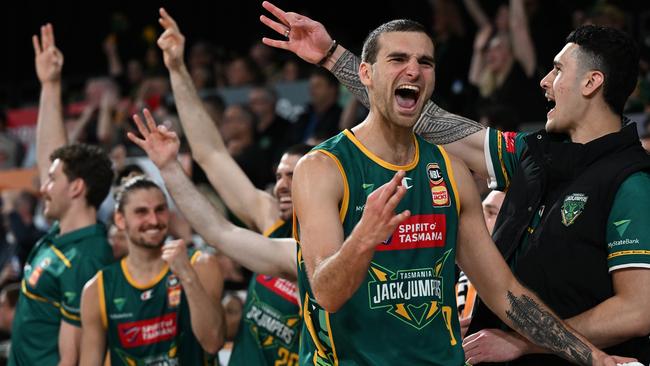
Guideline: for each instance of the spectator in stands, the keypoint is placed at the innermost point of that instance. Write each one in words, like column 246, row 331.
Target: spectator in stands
column 323, row 113
column 273, row 131
column 503, row 68
column 242, row 71
column 645, row 135
column 18, row 209
column 11, row 150
column 8, row 300
column 264, row 58
column 76, row 179
column 238, row 131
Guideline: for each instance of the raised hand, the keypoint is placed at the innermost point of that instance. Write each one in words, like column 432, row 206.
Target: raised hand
column 305, row 37
column 175, row 254
column 379, row 219
column 49, row 59
column 171, row 42
column 160, row 144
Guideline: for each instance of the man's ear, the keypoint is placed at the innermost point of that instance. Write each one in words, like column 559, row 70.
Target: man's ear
column 119, row 220
column 593, row 82
column 77, row 188
column 365, row 73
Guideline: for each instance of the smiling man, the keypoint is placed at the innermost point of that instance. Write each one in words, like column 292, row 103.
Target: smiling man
column 158, row 305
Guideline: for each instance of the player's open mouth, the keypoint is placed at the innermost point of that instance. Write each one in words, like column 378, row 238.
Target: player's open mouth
column 550, row 104
column 406, row 96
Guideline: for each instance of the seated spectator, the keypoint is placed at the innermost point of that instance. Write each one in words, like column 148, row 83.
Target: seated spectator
column 238, row 131
column 242, row 71
column 273, row 131
column 11, row 150
column 8, row 300
column 323, row 113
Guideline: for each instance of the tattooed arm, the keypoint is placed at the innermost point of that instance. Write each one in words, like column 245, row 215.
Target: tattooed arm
column 505, row 296
column 309, row 40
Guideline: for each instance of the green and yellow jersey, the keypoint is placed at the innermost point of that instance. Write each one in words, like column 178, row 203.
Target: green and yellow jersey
column 55, row 273
column 404, row 312
column 627, row 236
column 270, row 326
column 149, row 324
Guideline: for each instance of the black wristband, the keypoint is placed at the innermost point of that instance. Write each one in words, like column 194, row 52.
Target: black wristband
column 329, row 53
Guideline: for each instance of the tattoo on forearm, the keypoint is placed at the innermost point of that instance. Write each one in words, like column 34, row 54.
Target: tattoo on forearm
column 538, row 324
column 435, row 125
column 346, row 69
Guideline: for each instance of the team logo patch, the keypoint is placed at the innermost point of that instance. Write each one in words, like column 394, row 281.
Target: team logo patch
column 439, row 191
column 509, row 138
column 572, row 207
column 173, row 291
column 414, row 296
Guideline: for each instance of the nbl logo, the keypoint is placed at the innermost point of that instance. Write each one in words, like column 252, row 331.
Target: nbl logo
column 439, row 192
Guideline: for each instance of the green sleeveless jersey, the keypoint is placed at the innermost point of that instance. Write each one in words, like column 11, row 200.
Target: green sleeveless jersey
column 148, row 325
column 54, row 276
column 404, row 312
column 270, row 326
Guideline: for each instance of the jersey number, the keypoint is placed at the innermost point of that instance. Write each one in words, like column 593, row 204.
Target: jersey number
column 286, row 358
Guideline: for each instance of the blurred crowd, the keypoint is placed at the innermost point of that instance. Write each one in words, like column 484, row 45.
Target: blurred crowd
column 491, row 72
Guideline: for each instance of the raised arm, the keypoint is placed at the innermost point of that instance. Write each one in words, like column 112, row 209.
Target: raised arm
column 476, row 12
column 208, row 148
column 336, row 267
column 203, row 286
column 50, row 132
column 309, row 40
column 93, row 332
column 522, row 43
column 505, row 296
column 274, row 257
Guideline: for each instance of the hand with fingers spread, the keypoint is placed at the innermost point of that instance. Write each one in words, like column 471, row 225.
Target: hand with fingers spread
column 160, row 144
column 379, row 219
column 493, row 345
column 305, row 37
column 49, row 59
column 175, row 254
column 171, row 41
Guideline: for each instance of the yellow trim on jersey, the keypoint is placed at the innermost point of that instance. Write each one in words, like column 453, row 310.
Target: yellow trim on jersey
column 382, row 162
column 329, row 333
column 61, row 256
column 314, row 337
column 69, row 315
column 452, row 180
column 629, row 252
column 151, row 283
column 294, row 227
column 33, row 296
column 500, row 155
column 102, row 299
column 273, row 227
column 195, row 257
column 346, row 189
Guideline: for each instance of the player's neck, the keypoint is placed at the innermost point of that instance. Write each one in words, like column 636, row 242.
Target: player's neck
column 76, row 217
column 393, row 144
column 595, row 124
column 144, row 264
